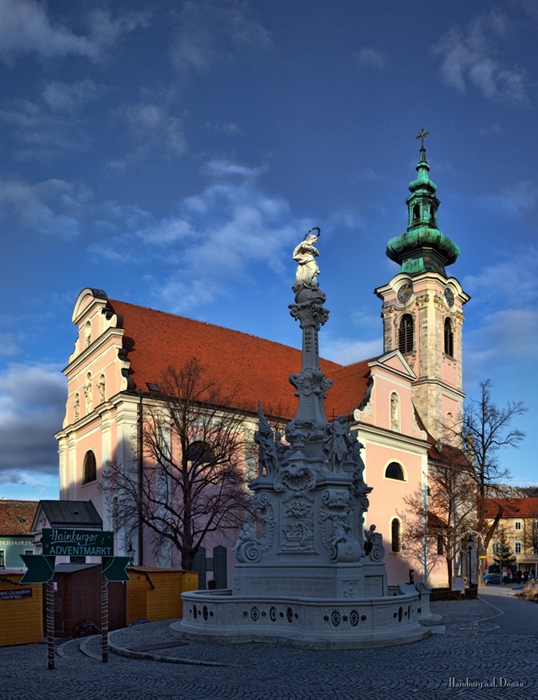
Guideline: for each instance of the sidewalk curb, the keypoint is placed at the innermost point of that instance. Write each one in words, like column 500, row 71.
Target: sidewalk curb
column 129, row 653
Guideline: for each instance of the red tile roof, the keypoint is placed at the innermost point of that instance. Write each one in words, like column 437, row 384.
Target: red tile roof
column 16, row 517
column 512, row 507
column 350, row 385
column 154, row 340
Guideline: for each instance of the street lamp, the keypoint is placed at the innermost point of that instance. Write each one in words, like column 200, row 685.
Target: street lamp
column 470, row 542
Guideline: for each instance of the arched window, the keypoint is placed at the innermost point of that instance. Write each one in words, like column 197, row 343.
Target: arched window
column 200, row 452
column 394, row 471
column 440, row 544
column 89, row 469
column 394, row 411
column 416, row 212
column 449, row 338
column 405, row 334
column 395, row 536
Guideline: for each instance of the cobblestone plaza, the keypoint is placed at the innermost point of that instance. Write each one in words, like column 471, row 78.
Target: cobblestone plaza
column 471, row 653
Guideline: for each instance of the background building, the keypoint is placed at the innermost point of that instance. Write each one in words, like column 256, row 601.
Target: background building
column 519, row 524
column 16, row 537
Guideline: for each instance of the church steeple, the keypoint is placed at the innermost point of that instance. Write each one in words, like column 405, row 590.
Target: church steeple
column 423, row 247
column 423, row 308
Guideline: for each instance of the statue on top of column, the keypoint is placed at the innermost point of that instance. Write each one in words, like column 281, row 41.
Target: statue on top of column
column 307, row 268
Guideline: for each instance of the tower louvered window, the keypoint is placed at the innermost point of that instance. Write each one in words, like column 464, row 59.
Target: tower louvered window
column 405, row 334
column 449, row 338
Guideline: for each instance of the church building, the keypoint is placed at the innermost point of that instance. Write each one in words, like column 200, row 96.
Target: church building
column 398, row 401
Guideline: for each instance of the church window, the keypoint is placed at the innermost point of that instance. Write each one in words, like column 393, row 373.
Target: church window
column 200, row 453
column 394, row 471
column 89, row 469
column 395, row 536
column 394, row 411
column 405, row 334
column 416, row 212
column 449, row 338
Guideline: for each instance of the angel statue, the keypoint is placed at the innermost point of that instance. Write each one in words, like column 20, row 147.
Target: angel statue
column 307, row 268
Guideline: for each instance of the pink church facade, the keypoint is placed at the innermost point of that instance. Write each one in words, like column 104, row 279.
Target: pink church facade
column 397, row 401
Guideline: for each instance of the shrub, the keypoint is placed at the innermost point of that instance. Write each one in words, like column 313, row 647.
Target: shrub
column 530, row 592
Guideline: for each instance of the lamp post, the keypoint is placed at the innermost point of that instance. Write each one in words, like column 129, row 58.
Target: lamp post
column 470, row 543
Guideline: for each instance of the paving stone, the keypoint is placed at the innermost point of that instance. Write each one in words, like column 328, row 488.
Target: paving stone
column 468, row 653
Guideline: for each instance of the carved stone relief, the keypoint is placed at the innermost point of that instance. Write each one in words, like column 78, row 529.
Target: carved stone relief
column 297, row 523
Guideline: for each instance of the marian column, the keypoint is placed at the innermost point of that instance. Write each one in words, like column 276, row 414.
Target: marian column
column 310, row 493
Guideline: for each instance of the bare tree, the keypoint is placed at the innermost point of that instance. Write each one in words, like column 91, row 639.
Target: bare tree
column 483, row 431
column 435, row 524
column 191, row 482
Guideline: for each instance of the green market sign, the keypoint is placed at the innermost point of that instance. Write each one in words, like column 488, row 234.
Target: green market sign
column 77, row 543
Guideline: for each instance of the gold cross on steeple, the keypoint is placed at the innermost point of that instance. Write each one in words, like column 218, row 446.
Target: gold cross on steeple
column 422, row 135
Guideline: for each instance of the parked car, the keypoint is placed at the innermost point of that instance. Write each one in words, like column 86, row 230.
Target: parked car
column 490, row 579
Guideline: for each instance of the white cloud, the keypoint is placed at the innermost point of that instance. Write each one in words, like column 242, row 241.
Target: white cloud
column 211, row 32
column 220, row 169
column 506, row 339
column 154, row 129
column 512, row 201
column 40, row 134
column 228, row 231
column 512, row 281
column 68, row 97
column 48, row 128
column 370, row 57
column 53, row 207
column 490, row 130
column 471, row 58
column 505, row 334
column 32, row 406
column 223, row 128
column 346, row 351
column 9, row 344
column 27, row 28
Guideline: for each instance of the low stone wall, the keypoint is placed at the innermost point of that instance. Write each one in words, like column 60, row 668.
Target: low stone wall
column 303, row 622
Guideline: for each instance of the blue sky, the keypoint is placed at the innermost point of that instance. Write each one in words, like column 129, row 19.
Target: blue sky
column 173, row 153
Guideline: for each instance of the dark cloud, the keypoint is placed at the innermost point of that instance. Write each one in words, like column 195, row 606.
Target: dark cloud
column 32, row 410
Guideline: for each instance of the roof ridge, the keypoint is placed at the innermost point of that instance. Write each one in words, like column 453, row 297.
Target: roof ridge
column 224, row 328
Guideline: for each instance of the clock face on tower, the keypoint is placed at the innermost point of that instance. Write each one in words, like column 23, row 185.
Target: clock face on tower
column 405, row 291
column 449, row 296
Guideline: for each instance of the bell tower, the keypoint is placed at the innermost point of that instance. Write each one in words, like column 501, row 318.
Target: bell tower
column 422, row 307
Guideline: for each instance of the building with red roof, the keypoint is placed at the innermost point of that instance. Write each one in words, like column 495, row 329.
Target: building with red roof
column 396, row 401
column 16, row 537
column 519, row 524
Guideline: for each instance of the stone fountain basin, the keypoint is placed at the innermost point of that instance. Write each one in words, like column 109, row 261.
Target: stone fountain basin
column 311, row 623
